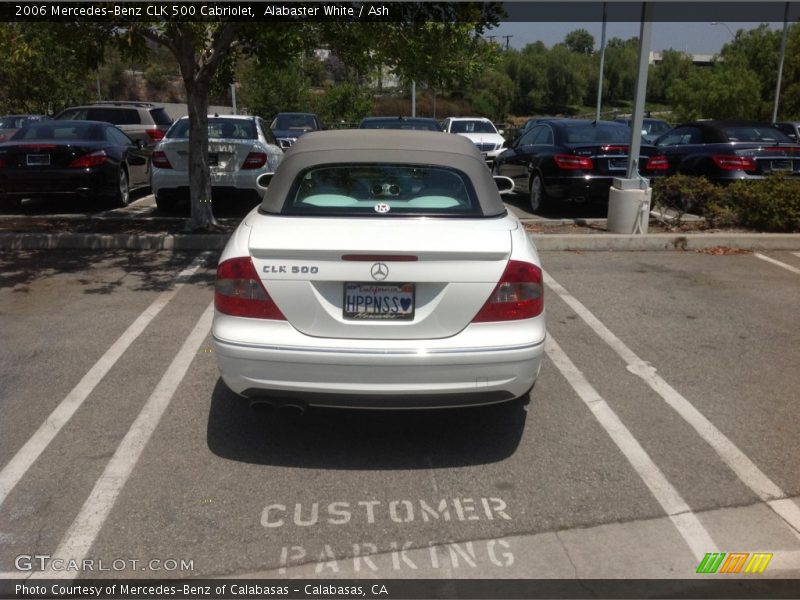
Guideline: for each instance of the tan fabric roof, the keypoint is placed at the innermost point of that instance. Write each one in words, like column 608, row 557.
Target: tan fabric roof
column 384, row 146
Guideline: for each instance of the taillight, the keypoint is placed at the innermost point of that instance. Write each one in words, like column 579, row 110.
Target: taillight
column 519, row 295
column 255, row 160
column 160, row 160
column 571, row 161
column 731, row 162
column 657, row 163
column 238, row 291
column 89, row 160
column 155, row 135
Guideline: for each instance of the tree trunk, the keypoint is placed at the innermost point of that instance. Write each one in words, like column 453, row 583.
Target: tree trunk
column 202, row 216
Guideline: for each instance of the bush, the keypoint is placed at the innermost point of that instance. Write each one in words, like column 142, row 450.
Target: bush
column 685, row 194
column 770, row 204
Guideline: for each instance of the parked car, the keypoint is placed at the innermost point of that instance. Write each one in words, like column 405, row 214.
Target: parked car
column 791, row 129
column 418, row 123
column 479, row 131
column 9, row 124
column 140, row 121
column 288, row 126
column 240, row 148
column 69, row 159
column 572, row 159
column 725, row 151
column 382, row 270
column 652, row 129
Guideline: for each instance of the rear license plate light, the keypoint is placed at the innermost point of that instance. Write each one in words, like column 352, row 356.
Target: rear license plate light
column 37, row 160
column 378, row 301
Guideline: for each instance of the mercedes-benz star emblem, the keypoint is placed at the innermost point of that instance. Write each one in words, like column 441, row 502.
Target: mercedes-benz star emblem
column 379, row 271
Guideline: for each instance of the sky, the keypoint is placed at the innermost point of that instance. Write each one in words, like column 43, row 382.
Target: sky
column 695, row 38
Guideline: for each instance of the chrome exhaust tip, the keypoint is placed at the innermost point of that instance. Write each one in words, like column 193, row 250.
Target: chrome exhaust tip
column 292, row 409
column 261, row 405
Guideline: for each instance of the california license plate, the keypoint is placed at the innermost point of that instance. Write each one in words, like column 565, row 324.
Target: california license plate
column 37, row 160
column 618, row 163
column 379, row 301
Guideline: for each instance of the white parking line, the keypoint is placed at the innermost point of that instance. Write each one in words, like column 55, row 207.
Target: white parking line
column 779, row 263
column 33, row 448
column 745, row 469
column 686, row 522
column 797, row 254
column 84, row 529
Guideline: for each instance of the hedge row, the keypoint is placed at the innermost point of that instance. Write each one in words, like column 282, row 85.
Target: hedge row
column 770, row 204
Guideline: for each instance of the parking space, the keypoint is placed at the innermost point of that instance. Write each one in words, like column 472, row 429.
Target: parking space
column 663, row 426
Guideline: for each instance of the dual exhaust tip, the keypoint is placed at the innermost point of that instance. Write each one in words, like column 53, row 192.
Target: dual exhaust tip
column 289, row 408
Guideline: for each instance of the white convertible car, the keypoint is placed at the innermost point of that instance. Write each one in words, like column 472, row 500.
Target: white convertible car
column 381, row 270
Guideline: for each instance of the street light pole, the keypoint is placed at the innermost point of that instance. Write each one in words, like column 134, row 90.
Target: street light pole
column 725, row 25
column 602, row 60
column 780, row 63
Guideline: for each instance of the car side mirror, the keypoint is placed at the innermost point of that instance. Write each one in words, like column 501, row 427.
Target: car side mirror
column 505, row 185
column 285, row 145
column 264, row 180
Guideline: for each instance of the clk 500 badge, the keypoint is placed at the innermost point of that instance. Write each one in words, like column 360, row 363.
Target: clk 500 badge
column 294, row 269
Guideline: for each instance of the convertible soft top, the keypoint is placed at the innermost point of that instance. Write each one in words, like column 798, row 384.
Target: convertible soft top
column 384, row 146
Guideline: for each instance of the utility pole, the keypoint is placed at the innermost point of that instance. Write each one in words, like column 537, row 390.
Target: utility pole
column 780, row 63
column 602, row 60
column 507, row 38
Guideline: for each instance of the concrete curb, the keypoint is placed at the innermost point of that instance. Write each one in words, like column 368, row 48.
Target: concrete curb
column 665, row 241
column 116, row 241
column 543, row 241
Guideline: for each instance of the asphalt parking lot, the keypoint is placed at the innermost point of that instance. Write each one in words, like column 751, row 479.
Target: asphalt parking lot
column 663, row 427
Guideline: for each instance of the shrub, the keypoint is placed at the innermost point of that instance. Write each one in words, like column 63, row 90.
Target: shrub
column 771, row 204
column 685, row 194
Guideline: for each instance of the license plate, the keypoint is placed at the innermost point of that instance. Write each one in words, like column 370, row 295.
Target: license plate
column 213, row 160
column 37, row 160
column 379, row 301
column 781, row 165
column 618, row 163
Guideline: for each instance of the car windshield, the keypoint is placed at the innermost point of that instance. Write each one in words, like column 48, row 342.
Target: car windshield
column 58, row 131
column 655, row 127
column 755, row 134
column 417, row 124
column 370, row 190
column 578, row 133
column 218, row 128
column 472, row 127
column 298, row 122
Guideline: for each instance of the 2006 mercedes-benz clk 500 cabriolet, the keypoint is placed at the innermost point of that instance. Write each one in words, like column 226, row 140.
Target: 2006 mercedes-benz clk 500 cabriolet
column 381, row 270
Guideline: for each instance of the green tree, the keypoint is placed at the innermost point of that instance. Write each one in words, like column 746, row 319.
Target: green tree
column 620, row 70
column 565, row 79
column 579, row 41
column 674, row 66
column 46, row 67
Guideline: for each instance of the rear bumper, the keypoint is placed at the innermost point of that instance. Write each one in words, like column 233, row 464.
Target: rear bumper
column 171, row 183
column 387, row 378
column 68, row 183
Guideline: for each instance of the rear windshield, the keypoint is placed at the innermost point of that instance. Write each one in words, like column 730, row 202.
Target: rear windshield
column 602, row 132
column 400, row 124
column 218, row 128
column 372, row 190
column 296, row 122
column 160, row 116
column 755, row 134
column 117, row 116
column 55, row 131
column 472, row 127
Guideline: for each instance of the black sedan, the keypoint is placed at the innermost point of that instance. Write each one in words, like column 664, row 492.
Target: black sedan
column 418, row 123
column 572, row 159
column 69, row 159
column 725, row 151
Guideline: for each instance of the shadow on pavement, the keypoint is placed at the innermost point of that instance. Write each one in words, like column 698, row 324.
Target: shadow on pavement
column 363, row 439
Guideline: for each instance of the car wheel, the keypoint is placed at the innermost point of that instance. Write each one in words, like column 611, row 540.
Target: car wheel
column 538, row 197
column 166, row 203
column 122, row 195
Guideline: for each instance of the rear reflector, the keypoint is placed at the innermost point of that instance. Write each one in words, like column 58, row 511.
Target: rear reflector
column 731, row 162
column 571, row 161
column 239, row 292
column 89, row 160
column 255, row 160
column 519, row 295
column 160, row 160
column 657, row 163
column 155, row 135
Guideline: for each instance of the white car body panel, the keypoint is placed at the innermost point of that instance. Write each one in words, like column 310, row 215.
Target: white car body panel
column 440, row 358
